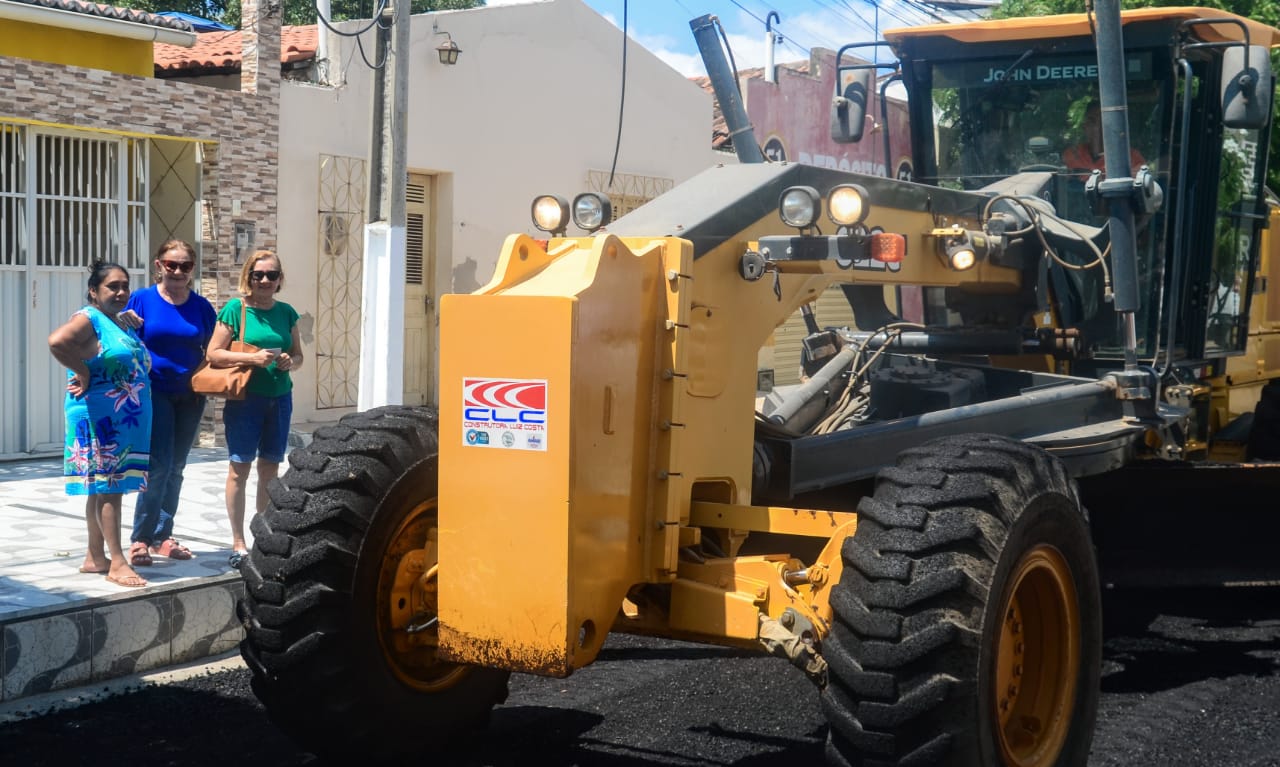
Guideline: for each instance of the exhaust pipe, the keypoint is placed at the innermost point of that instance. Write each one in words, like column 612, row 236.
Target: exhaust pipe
column 725, row 84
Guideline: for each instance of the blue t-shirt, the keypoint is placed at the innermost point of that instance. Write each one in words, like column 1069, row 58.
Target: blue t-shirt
column 176, row 336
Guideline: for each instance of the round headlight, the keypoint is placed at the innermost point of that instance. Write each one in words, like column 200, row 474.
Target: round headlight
column 799, row 206
column 591, row 211
column 847, row 204
column 550, row 213
column 962, row 257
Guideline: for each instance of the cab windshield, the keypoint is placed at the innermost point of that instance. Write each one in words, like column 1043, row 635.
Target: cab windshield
column 1039, row 112
column 996, row 117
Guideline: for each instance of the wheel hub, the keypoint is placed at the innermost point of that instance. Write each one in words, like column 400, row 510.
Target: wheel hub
column 408, row 604
column 1037, row 659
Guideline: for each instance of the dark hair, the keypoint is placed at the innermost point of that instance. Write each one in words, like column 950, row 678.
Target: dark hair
column 98, row 272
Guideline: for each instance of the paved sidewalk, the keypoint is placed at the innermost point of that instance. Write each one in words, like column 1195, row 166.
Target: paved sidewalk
column 61, row 628
column 43, row 537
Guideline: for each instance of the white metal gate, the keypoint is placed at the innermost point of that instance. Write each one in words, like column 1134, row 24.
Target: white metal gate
column 340, row 236
column 67, row 198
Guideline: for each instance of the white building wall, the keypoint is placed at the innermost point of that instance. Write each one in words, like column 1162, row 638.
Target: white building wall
column 530, row 107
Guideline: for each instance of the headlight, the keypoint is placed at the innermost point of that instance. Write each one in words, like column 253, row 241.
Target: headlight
column 961, row 256
column 550, row 213
column 962, row 249
column 591, row 211
column 847, row 204
column 799, row 206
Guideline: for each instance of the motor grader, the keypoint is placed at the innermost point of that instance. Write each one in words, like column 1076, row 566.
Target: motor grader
column 1054, row 377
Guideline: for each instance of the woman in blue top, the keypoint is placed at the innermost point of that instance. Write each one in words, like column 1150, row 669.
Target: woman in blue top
column 177, row 323
column 108, row 415
column 258, row 425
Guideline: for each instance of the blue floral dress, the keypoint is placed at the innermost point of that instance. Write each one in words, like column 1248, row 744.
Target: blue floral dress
column 109, row 427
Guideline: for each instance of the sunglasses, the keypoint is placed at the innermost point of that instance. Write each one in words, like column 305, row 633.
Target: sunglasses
column 272, row 275
column 178, row 266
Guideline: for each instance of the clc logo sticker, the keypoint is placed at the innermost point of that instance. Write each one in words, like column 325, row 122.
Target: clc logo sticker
column 504, row 400
column 504, row 393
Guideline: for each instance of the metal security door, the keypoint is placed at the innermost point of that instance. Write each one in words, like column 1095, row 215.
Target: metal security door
column 68, row 199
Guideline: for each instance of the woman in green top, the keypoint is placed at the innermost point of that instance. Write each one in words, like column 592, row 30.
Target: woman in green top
column 258, row 425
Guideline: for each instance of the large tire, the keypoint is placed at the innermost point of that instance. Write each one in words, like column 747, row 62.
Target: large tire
column 967, row 623
column 326, row 638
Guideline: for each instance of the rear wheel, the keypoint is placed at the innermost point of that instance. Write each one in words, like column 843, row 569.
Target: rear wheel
column 968, row 620
column 340, row 596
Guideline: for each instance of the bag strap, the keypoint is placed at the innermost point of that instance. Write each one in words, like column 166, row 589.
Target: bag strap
column 244, row 317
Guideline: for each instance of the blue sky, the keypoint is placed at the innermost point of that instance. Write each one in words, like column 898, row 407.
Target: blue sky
column 662, row 26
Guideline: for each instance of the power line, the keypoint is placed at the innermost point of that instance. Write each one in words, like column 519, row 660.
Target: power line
column 881, row 9
column 749, row 13
column 855, row 19
column 787, row 37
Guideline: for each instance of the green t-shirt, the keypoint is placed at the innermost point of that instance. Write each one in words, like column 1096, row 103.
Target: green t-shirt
column 267, row 329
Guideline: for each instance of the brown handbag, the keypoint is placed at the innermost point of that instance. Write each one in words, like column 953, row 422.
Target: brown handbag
column 227, row 383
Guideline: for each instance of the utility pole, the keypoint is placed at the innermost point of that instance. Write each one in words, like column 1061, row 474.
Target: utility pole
column 382, row 302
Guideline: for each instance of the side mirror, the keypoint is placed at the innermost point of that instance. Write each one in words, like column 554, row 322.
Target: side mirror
column 1246, row 87
column 849, row 106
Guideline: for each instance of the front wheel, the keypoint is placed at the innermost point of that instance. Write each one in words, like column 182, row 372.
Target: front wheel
column 340, row 597
column 968, row 618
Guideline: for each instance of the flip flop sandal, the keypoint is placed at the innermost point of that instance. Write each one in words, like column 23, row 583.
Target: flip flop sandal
column 236, row 558
column 172, row 549
column 132, row 581
column 139, row 556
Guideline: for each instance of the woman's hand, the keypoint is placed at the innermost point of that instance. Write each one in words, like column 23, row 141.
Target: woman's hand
column 262, row 358
column 130, row 319
column 284, row 362
column 78, row 384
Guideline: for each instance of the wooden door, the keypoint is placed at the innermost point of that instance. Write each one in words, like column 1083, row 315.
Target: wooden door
column 419, row 292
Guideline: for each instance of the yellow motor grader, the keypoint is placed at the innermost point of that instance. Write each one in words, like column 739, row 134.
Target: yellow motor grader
column 908, row 524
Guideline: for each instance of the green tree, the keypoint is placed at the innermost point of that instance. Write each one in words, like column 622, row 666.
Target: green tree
column 205, row 9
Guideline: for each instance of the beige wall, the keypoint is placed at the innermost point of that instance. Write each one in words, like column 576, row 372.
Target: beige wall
column 530, row 107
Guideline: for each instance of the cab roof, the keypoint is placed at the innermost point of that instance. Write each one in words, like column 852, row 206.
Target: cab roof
column 1077, row 24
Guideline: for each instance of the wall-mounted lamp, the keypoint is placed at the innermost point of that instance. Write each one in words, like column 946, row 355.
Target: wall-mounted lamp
column 448, row 50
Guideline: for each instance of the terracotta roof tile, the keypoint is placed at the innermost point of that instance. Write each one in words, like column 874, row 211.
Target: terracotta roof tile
column 110, row 12
column 222, row 51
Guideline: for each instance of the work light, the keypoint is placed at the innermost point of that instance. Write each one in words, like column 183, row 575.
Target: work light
column 591, row 211
column 847, row 205
column 799, row 206
column 550, row 213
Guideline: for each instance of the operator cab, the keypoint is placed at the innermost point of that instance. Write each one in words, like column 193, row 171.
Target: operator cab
column 1014, row 103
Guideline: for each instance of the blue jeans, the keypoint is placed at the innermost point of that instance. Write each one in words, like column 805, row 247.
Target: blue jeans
column 175, row 420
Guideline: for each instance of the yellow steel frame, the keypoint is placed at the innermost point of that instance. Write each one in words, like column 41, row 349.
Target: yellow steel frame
column 648, row 359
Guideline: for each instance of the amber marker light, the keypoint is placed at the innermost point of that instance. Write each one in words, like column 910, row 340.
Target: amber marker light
column 888, row 247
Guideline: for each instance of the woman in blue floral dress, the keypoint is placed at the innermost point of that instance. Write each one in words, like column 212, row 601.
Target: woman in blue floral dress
column 108, row 415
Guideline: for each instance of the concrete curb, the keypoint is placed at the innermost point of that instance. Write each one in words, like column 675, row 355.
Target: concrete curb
column 102, row 638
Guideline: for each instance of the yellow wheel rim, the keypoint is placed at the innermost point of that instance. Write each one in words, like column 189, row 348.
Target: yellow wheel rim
column 1037, row 660
column 407, row 604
